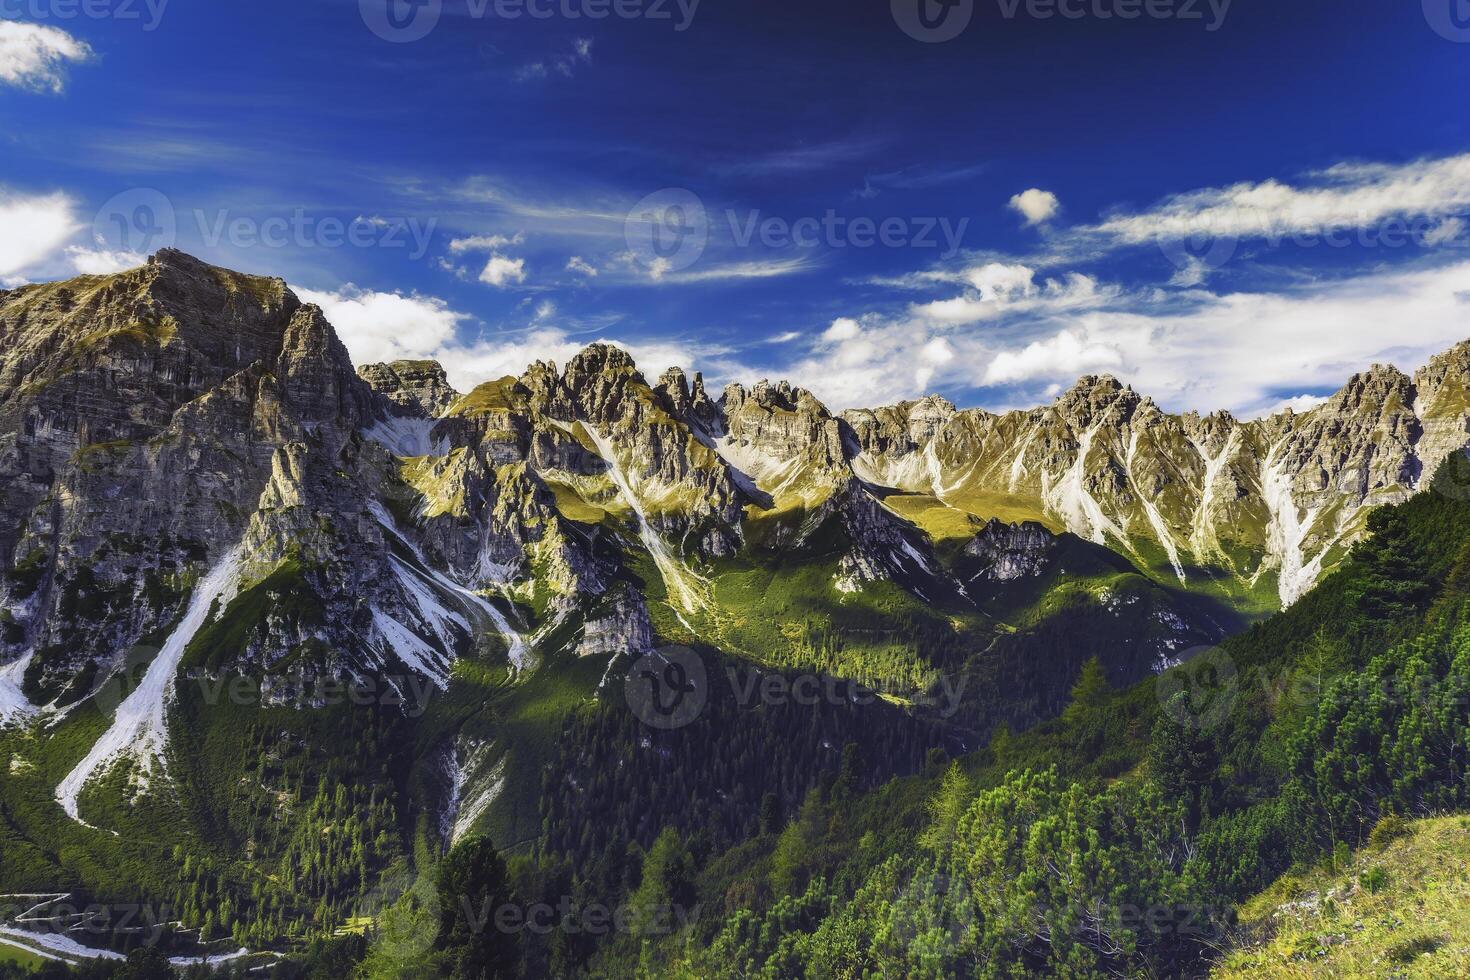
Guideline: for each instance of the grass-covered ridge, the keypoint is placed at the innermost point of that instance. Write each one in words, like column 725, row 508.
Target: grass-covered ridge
column 1400, row 906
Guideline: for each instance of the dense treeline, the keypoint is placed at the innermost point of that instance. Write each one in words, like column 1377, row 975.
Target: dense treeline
column 710, row 779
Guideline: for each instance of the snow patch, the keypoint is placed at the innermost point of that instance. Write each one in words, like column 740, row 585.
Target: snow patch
column 49, row 945
column 407, row 437
column 1018, row 465
column 1155, row 519
column 56, row 947
column 139, row 727
column 1288, row 531
column 1203, row 538
column 515, row 643
column 675, row 573
column 15, row 707
column 1070, row 500
column 411, row 648
column 469, row 814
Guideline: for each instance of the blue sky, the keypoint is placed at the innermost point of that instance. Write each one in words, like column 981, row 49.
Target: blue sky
column 1229, row 205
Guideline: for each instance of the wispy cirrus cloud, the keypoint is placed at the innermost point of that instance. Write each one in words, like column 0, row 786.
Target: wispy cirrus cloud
column 805, row 158
column 1347, row 195
column 917, row 178
column 730, row 271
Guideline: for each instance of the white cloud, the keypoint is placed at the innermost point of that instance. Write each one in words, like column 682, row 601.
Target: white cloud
column 740, row 270
column 563, row 64
column 1071, row 353
column 36, row 57
column 999, row 290
column 581, row 266
column 1193, row 272
column 501, row 272
column 1299, row 404
column 1190, row 348
column 1200, row 351
column 997, row 279
column 1036, row 205
column 932, row 357
column 1449, row 230
column 1343, row 196
column 784, row 338
column 101, row 262
column 387, row 326
column 1237, row 351
column 33, row 228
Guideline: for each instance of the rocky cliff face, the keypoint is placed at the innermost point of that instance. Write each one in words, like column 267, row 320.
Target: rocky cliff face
column 414, row 387
column 1007, row 552
column 158, row 423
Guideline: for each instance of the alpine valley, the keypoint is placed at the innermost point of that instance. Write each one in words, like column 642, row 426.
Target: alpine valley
column 298, row 656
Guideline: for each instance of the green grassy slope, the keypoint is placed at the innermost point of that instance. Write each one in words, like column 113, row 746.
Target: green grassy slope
column 1399, row 907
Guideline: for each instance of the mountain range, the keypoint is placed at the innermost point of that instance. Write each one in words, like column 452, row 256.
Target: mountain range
column 197, row 485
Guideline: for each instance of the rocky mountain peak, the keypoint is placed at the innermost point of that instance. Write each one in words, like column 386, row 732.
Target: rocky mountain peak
column 1381, row 388
column 414, row 386
column 598, row 359
column 778, row 396
column 931, row 408
column 1097, row 399
column 1210, row 432
column 673, row 384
